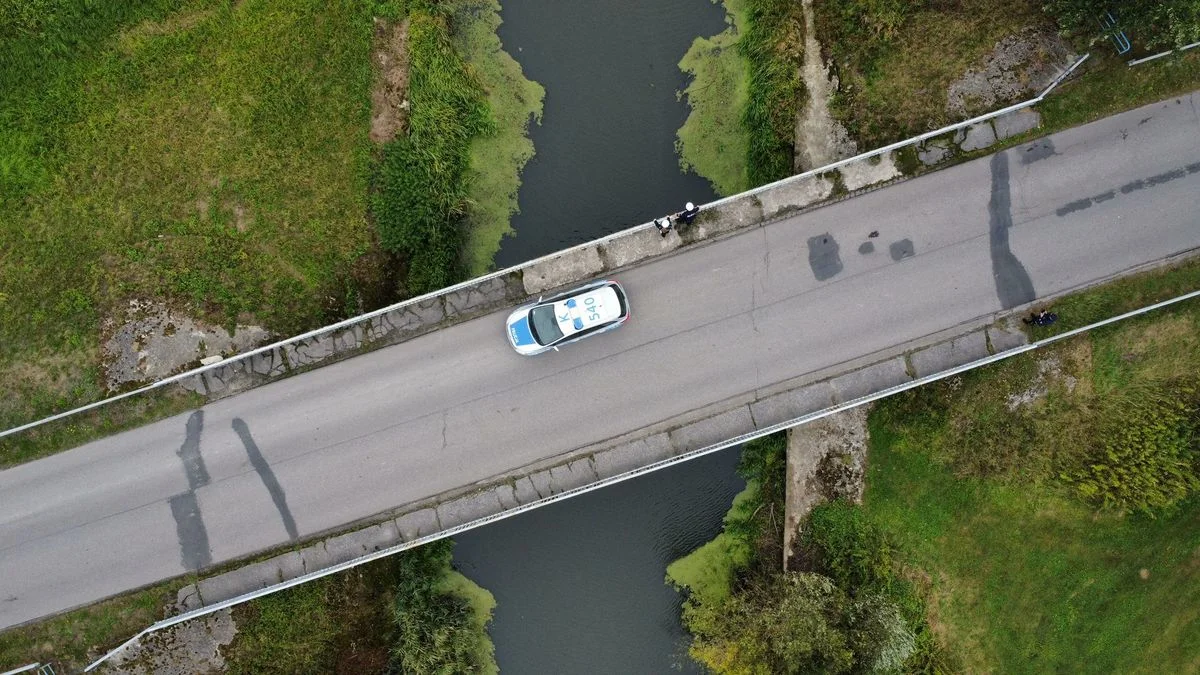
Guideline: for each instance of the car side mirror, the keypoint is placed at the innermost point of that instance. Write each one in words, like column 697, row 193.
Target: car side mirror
column 539, row 298
column 555, row 348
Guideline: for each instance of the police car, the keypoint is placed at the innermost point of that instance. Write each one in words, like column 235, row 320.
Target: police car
column 583, row 312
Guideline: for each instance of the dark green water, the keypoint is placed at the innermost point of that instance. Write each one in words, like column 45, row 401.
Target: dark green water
column 606, row 146
column 579, row 585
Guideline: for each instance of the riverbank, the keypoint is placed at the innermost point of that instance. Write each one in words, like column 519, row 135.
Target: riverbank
column 1047, row 504
column 892, row 71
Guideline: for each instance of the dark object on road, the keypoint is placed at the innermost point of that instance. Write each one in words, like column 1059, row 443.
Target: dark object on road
column 663, row 224
column 688, row 214
column 874, row 233
column 1042, row 318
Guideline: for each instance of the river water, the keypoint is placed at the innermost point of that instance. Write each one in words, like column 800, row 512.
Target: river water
column 579, row 585
column 605, row 151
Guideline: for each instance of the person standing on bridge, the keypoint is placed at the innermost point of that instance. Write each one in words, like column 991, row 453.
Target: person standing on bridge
column 688, row 214
column 663, row 224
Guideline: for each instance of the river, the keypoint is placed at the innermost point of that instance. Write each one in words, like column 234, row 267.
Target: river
column 605, row 151
column 579, row 584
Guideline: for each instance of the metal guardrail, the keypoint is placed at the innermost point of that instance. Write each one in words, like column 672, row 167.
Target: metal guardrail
column 1159, row 55
column 36, row 668
column 661, row 464
column 493, row 275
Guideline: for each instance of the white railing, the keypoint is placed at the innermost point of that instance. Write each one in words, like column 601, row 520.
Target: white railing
column 661, row 464
column 472, row 282
column 1162, row 54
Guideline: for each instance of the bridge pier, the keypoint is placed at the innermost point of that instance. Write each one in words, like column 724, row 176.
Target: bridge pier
column 826, row 459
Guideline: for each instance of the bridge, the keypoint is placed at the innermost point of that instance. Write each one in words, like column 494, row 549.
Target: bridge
column 761, row 318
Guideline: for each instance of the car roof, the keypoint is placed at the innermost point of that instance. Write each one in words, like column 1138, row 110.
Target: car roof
column 593, row 307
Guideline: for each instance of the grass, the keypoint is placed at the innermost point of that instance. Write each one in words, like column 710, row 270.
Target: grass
column 205, row 154
column 773, row 46
column 1108, row 86
column 712, row 142
column 895, row 71
column 1027, row 580
column 1026, row 574
column 496, row 159
column 73, row 640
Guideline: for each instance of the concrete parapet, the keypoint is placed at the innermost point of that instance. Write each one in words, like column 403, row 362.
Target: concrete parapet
column 570, row 266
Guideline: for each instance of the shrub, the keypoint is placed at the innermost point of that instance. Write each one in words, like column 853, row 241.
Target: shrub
column 1144, row 456
column 434, row 630
column 773, row 46
column 1153, row 23
column 839, row 542
column 420, row 188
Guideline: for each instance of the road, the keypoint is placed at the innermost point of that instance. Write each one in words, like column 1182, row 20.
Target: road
column 360, row 437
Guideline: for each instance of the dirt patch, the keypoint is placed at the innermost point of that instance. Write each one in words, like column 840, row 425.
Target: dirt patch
column 152, row 341
column 1049, row 372
column 1019, row 65
column 820, row 139
column 826, row 459
column 389, row 96
column 184, row 649
column 243, row 218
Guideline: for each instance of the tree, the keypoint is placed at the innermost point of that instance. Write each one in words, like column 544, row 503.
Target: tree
column 794, row 623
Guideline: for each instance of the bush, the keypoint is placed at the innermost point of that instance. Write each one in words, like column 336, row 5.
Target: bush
column 434, row 630
column 839, row 542
column 773, row 46
column 1152, row 23
column 420, row 188
column 1145, row 454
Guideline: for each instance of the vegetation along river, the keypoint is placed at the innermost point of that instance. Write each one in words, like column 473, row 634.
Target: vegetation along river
column 579, row 585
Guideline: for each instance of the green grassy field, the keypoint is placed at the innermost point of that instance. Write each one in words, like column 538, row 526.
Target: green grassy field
column 896, row 61
column 210, row 155
column 1024, row 579
column 1028, row 571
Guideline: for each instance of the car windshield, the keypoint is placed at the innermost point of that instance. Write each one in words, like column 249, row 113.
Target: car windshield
column 544, row 325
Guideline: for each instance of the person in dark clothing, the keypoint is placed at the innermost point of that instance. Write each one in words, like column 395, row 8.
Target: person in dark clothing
column 688, row 214
column 1042, row 318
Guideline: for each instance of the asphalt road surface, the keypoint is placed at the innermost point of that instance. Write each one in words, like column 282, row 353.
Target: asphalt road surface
column 357, row 438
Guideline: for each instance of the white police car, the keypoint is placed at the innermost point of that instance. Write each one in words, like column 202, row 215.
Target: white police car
column 579, row 313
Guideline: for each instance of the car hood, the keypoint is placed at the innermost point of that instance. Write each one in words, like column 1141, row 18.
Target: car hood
column 518, row 331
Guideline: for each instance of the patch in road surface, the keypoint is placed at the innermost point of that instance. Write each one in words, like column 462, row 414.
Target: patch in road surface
column 866, row 247
column 189, row 452
column 1038, row 150
column 823, row 256
column 902, row 249
column 1128, row 188
column 1013, row 285
column 268, row 477
column 193, row 537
